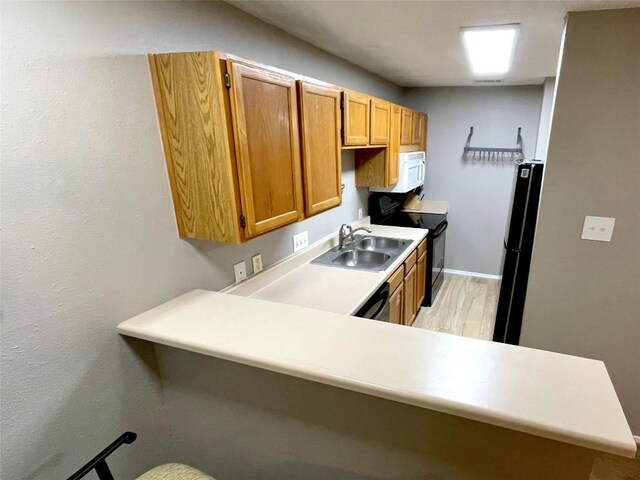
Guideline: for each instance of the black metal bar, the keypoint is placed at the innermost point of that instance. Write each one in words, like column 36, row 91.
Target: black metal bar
column 99, row 461
column 103, row 470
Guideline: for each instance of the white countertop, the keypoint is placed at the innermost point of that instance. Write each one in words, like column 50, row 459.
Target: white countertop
column 564, row 398
column 322, row 287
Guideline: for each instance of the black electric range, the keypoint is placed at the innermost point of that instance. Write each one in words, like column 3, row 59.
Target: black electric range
column 386, row 209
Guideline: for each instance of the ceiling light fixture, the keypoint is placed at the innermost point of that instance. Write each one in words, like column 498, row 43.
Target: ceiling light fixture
column 490, row 49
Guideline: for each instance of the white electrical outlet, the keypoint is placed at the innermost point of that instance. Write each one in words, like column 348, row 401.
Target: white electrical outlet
column 300, row 241
column 599, row 229
column 240, row 271
column 360, row 213
column 256, row 260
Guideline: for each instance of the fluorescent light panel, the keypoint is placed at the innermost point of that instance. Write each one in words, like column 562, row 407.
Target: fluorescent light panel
column 490, row 49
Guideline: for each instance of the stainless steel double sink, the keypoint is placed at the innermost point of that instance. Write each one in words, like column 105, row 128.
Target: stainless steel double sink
column 365, row 252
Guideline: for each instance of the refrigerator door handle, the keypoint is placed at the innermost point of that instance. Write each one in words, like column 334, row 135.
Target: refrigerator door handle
column 515, row 250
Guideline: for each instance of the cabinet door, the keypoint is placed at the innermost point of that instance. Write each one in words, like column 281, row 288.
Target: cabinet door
column 406, row 127
column 321, row 154
column 421, row 282
column 265, row 121
column 380, row 113
column 393, row 151
column 416, row 124
column 423, row 132
column 356, row 119
column 410, row 295
column 396, row 304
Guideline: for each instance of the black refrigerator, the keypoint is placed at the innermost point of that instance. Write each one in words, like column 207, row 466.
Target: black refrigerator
column 518, row 247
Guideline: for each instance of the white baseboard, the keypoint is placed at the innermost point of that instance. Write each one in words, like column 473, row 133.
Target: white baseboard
column 472, row 274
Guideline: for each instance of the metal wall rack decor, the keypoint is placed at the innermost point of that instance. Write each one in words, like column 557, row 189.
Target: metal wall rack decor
column 494, row 153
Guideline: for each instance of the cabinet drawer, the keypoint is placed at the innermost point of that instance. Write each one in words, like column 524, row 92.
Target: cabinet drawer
column 422, row 247
column 411, row 260
column 395, row 280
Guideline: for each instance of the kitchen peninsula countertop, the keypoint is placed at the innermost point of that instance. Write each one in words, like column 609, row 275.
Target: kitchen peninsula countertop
column 555, row 396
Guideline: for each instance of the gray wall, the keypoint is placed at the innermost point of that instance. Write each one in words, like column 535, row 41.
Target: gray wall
column 479, row 191
column 542, row 145
column 267, row 426
column 89, row 237
column 584, row 296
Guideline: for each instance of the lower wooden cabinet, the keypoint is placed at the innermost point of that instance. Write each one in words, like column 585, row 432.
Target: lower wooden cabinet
column 396, row 305
column 407, row 287
column 410, row 286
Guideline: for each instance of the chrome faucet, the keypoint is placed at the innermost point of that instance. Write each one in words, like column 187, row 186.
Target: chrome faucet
column 346, row 232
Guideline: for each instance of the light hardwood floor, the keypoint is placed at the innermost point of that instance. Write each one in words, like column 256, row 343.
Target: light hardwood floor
column 464, row 306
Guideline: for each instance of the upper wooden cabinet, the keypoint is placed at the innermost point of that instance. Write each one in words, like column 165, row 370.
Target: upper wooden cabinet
column 365, row 121
column 198, row 144
column 393, row 152
column 355, row 119
column 379, row 167
column 423, row 132
column 265, row 112
column 251, row 148
column 321, row 148
column 380, row 114
column 416, row 124
column 231, row 142
column 406, row 127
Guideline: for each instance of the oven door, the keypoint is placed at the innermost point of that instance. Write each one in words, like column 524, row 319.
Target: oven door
column 439, row 240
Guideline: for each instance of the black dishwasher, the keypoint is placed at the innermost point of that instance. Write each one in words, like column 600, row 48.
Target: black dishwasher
column 377, row 306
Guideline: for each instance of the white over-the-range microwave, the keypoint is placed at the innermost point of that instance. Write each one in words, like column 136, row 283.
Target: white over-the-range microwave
column 410, row 175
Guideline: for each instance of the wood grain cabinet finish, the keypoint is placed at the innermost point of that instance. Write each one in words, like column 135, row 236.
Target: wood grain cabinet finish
column 396, row 305
column 356, row 116
column 393, row 151
column 416, row 125
column 198, row 144
column 423, row 132
column 265, row 112
column 406, row 127
column 379, row 167
column 380, row 116
column 421, row 274
column 231, row 142
column 410, row 286
column 321, row 148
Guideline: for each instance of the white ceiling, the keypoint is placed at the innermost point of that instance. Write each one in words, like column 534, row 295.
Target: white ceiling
column 418, row 43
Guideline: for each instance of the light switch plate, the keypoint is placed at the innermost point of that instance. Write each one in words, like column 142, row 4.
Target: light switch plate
column 240, row 271
column 599, row 229
column 256, row 260
column 300, row 241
